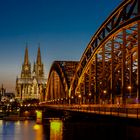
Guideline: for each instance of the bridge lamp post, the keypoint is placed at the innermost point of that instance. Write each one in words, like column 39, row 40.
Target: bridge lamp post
column 61, row 100
column 71, row 99
column 129, row 88
column 66, row 100
column 104, row 92
column 79, row 96
column 89, row 96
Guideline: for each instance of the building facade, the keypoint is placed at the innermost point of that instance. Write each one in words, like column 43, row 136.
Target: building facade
column 32, row 83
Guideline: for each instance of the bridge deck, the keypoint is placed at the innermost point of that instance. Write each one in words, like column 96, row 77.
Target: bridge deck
column 129, row 111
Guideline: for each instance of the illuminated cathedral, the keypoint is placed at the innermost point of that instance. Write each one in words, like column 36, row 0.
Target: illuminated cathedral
column 32, row 83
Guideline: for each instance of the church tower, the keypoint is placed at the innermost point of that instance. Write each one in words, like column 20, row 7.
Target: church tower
column 38, row 66
column 31, row 85
column 26, row 66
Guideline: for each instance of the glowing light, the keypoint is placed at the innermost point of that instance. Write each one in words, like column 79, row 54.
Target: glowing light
column 36, row 127
column 26, row 113
column 39, row 116
column 56, row 129
column 17, row 123
column 39, row 130
column 26, row 122
column 79, row 95
column 104, row 91
column 129, row 87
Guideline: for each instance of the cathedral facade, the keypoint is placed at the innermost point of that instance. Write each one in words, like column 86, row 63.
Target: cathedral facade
column 32, row 83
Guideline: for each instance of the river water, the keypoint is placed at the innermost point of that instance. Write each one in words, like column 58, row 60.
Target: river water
column 56, row 129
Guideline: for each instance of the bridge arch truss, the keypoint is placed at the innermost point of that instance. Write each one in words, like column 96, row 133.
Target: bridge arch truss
column 109, row 69
column 59, row 80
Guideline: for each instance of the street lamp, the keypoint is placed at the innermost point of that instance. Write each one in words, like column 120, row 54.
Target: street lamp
column 89, row 97
column 89, row 94
column 129, row 88
column 79, row 96
column 104, row 91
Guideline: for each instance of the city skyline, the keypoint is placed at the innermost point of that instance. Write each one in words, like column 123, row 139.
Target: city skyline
column 63, row 29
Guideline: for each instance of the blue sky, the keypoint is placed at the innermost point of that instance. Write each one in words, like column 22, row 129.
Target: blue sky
column 62, row 27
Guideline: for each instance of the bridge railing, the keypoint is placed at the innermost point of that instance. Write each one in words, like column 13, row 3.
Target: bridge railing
column 132, row 111
column 115, row 111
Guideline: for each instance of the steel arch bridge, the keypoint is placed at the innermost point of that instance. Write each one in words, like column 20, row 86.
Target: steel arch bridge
column 109, row 69
column 58, row 84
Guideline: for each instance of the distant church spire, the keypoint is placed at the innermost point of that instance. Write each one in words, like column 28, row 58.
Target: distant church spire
column 39, row 66
column 26, row 60
column 38, row 61
column 26, row 66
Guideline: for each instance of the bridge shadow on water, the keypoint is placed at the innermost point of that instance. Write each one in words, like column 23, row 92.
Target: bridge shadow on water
column 84, row 126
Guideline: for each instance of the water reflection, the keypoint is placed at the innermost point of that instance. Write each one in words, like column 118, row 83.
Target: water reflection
column 29, row 130
column 39, row 132
column 56, row 129
column 20, row 130
column 7, row 129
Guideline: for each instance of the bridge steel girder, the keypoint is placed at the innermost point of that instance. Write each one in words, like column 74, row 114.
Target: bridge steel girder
column 114, row 51
column 57, row 90
column 59, row 87
column 138, row 76
column 109, row 69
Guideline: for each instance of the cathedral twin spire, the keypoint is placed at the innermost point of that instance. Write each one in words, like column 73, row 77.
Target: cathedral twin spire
column 32, row 83
column 38, row 61
column 37, row 68
column 26, row 60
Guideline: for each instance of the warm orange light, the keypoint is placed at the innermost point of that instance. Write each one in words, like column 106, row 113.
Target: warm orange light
column 104, row 91
column 79, row 95
column 56, row 129
column 36, row 127
column 39, row 116
column 26, row 113
column 38, row 132
column 129, row 87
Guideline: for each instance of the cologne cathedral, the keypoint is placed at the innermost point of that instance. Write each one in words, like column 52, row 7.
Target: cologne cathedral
column 32, row 83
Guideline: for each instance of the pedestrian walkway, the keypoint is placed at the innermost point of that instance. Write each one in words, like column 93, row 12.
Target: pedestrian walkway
column 129, row 110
